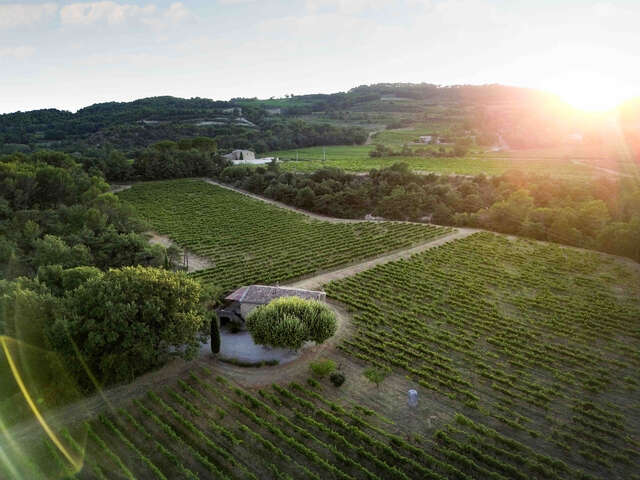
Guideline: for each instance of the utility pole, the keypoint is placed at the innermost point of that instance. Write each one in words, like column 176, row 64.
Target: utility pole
column 296, row 155
column 324, row 155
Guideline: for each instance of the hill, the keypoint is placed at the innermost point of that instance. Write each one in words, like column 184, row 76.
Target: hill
column 522, row 117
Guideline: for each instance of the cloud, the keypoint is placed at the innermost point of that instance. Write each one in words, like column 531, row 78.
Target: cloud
column 346, row 6
column 176, row 13
column 113, row 13
column 235, row 2
column 18, row 53
column 15, row 15
column 108, row 12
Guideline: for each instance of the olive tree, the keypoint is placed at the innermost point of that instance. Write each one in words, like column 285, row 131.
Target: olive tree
column 288, row 322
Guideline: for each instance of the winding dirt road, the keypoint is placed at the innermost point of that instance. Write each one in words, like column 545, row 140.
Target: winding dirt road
column 284, row 205
column 616, row 173
column 317, row 281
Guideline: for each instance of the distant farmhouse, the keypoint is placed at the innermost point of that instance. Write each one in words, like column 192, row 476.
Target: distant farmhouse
column 240, row 155
column 240, row 303
column 273, row 111
column 433, row 139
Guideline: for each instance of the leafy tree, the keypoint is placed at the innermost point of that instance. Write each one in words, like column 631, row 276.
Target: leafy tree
column 306, row 198
column 376, row 375
column 60, row 280
column 506, row 216
column 322, row 368
column 125, row 322
column 52, row 250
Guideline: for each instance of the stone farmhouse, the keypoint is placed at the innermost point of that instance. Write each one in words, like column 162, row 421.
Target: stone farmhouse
column 242, row 155
column 239, row 304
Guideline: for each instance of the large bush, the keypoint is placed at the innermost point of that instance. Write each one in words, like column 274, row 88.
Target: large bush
column 126, row 322
column 290, row 321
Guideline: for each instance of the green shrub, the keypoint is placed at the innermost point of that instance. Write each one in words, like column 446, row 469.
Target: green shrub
column 290, row 321
column 376, row 375
column 337, row 378
column 322, row 368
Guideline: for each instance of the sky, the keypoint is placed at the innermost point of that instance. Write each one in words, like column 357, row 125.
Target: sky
column 70, row 54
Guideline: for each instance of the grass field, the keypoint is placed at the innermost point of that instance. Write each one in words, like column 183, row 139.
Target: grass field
column 357, row 159
column 538, row 341
column 249, row 241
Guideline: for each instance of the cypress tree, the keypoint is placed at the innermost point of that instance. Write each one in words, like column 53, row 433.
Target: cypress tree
column 215, row 334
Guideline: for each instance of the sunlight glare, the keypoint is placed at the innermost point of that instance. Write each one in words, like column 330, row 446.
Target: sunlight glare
column 589, row 92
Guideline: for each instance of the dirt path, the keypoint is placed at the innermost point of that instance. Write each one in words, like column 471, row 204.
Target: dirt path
column 307, row 213
column 602, row 169
column 318, row 281
column 284, row 205
column 194, row 262
column 369, row 140
column 119, row 188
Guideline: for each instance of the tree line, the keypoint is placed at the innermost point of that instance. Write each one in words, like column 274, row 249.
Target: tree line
column 601, row 214
column 133, row 126
column 81, row 287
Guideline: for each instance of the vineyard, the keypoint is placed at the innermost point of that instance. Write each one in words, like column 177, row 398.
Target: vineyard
column 206, row 427
column 249, row 241
column 538, row 341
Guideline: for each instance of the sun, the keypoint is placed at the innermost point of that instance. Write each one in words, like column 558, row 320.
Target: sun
column 591, row 99
column 590, row 93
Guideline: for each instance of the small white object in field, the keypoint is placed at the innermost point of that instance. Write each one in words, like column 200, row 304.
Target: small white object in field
column 413, row 398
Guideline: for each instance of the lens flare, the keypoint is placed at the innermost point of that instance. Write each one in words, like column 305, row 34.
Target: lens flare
column 18, row 356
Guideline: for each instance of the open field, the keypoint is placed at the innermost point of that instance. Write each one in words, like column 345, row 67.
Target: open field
column 566, row 161
column 249, row 241
column 538, row 341
column 357, row 159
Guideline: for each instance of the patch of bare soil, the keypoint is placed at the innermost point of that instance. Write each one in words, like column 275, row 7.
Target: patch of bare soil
column 195, row 262
column 369, row 140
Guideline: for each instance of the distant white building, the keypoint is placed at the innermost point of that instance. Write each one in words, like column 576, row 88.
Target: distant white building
column 274, row 111
column 426, row 138
column 240, row 155
column 257, row 161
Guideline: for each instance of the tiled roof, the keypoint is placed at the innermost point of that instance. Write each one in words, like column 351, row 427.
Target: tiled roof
column 262, row 294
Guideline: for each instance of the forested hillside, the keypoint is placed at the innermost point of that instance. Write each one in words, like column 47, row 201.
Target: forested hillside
column 131, row 126
column 523, row 117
